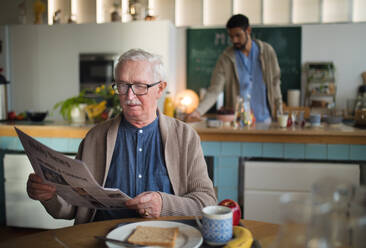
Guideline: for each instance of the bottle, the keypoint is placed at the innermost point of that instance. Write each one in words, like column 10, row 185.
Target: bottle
column 168, row 105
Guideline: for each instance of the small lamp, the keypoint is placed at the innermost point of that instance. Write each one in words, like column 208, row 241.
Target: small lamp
column 186, row 101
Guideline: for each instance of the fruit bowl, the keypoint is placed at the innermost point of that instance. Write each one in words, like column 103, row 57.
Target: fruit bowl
column 225, row 117
column 225, row 114
column 37, row 116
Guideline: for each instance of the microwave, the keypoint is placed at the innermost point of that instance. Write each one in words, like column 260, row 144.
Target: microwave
column 96, row 69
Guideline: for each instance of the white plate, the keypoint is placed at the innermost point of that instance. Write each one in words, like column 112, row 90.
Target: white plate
column 188, row 237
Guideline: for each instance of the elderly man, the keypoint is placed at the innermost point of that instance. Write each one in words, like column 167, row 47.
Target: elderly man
column 155, row 159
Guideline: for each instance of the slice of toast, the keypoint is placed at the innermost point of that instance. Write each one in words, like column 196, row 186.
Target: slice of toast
column 149, row 235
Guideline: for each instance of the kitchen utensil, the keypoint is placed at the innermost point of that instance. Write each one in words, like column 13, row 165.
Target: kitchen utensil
column 117, row 241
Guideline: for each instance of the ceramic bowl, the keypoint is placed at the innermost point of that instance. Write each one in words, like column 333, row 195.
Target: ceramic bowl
column 334, row 119
column 226, row 118
column 37, row 116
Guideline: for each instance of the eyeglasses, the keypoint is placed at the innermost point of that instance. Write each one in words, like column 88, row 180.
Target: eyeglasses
column 139, row 89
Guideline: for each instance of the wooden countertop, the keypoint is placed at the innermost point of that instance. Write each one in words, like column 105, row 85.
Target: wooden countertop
column 83, row 235
column 47, row 129
column 325, row 134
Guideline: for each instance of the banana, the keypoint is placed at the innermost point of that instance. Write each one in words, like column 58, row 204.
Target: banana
column 243, row 238
column 94, row 110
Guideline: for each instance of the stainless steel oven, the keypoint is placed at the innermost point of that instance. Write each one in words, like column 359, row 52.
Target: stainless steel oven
column 96, row 69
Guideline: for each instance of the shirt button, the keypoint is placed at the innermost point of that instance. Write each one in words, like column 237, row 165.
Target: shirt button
column 140, row 149
column 140, row 131
column 140, row 176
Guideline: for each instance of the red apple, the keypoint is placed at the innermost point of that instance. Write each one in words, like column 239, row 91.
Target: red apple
column 12, row 115
column 235, row 208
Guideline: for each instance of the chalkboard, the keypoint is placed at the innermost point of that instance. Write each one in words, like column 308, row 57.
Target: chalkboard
column 204, row 46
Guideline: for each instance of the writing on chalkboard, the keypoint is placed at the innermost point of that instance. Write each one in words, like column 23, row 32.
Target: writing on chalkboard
column 204, row 47
column 221, row 39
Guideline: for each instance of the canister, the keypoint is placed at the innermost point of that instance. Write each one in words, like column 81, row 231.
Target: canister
column 3, row 98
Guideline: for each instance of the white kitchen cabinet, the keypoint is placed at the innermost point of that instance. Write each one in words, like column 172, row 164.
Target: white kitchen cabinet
column 264, row 183
column 44, row 44
column 21, row 211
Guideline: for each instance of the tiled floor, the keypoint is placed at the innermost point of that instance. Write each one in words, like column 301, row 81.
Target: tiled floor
column 7, row 233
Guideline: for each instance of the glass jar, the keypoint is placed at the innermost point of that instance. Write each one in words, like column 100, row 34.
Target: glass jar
column 243, row 112
column 168, row 105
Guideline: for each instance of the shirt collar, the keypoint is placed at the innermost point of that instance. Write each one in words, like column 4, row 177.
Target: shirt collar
column 132, row 128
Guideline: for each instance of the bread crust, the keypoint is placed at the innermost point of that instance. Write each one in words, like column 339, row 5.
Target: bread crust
column 149, row 235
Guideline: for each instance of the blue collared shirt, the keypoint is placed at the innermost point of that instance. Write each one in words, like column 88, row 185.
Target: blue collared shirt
column 137, row 165
column 251, row 82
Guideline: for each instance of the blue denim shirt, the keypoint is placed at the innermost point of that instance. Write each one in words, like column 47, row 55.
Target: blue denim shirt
column 252, row 83
column 137, row 165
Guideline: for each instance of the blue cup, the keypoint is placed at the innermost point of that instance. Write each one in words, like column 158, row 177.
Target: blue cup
column 315, row 119
column 217, row 225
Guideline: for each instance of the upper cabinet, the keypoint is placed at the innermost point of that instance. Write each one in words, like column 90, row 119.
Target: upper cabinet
column 184, row 12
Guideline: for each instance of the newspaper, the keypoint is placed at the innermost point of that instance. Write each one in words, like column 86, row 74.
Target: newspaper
column 71, row 177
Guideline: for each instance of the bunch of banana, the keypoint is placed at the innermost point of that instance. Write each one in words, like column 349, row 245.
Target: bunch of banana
column 243, row 238
column 94, row 110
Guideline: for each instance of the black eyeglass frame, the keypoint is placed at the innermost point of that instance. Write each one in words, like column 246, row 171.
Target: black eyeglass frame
column 129, row 86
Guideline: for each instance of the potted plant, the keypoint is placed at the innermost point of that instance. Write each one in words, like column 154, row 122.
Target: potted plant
column 108, row 104
column 67, row 106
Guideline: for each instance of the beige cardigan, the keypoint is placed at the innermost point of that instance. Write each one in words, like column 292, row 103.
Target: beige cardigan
column 225, row 77
column 184, row 159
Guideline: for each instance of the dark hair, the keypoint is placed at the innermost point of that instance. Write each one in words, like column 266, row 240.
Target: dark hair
column 238, row 21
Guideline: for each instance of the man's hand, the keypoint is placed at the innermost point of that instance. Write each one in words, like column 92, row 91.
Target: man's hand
column 148, row 204
column 38, row 190
column 194, row 116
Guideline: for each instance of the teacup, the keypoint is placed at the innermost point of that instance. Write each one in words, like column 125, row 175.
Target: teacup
column 217, row 225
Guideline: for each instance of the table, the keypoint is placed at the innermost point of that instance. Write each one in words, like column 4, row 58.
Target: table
column 83, row 235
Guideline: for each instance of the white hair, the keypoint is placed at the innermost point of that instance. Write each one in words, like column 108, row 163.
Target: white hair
column 142, row 55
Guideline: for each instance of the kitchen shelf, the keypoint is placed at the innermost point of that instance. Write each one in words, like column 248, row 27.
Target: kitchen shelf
column 320, row 85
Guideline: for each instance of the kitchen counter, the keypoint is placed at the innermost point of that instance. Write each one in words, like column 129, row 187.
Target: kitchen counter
column 325, row 134
column 45, row 129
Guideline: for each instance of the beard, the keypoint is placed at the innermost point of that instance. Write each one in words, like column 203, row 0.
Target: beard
column 239, row 46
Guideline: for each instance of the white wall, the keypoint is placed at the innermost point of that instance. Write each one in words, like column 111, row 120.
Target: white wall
column 45, row 59
column 344, row 44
